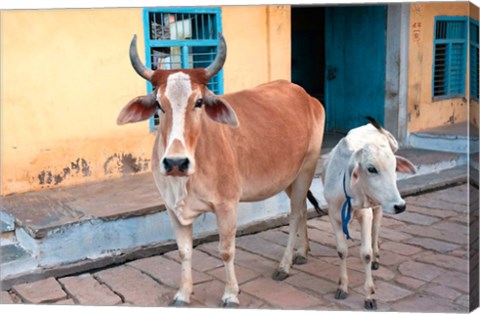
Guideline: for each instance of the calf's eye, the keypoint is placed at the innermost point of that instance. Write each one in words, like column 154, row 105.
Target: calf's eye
column 372, row 170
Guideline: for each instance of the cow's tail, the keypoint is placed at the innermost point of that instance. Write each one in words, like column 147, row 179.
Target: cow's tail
column 315, row 204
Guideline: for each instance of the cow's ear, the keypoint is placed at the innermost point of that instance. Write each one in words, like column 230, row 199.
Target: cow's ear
column 355, row 175
column 404, row 165
column 138, row 109
column 219, row 110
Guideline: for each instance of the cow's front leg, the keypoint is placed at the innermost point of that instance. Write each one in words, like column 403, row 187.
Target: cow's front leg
column 227, row 223
column 377, row 219
column 183, row 235
column 365, row 217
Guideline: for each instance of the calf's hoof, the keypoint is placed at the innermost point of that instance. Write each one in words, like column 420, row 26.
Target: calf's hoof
column 178, row 303
column 340, row 294
column 299, row 260
column 280, row 275
column 375, row 265
column 229, row 305
column 371, row 304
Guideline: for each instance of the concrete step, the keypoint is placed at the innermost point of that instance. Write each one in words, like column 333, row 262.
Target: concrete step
column 7, row 222
column 7, row 229
column 458, row 138
column 93, row 225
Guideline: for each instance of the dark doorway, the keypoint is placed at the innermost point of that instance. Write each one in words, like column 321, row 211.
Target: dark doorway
column 339, row 57
column 308, row 49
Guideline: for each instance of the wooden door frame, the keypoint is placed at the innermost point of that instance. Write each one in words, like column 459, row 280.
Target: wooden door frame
column 396, row 70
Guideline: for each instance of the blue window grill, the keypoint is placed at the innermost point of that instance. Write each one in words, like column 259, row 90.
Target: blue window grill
column 182, row 38
column 474, row 65
column 450, row 54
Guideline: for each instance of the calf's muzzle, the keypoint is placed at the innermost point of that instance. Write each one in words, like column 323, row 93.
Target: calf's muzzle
column 400, row 208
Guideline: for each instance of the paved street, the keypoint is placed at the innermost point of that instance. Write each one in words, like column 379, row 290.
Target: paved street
column 424, row 267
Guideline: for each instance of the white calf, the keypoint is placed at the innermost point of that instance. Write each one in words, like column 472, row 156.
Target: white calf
column 360, row 180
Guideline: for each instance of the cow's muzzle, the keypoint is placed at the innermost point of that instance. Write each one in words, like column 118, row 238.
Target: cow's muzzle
column 176, row 166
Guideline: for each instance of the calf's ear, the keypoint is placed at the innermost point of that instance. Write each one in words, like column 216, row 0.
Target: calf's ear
column 219, row 110
column 355, row 168
column 355, row 175
column 138, row 109
column 405, row 166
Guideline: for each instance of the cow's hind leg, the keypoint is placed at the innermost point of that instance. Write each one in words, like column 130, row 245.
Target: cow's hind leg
column 342, row 250
column 301, row 255
column 227, row 223
column 297, row 192
column 286, row 263
column 183, row 235
column 365, row 217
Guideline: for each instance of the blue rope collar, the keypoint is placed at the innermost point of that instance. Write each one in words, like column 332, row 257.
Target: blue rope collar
column 346, row 211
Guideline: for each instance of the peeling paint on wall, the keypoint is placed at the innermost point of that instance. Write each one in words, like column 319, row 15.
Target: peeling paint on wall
column 125, row 164
column 416, row 108
column 78, row 167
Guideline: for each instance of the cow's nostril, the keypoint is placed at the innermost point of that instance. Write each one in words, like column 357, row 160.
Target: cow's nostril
column 399, row 208
column 181, row 163
column 167, row 164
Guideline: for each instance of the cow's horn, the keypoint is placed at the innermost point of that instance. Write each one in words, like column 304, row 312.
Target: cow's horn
column 137, row 64
column 220, row 58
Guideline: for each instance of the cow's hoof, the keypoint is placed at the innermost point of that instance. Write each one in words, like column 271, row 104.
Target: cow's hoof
column 299, row 260
column 375, row 265
column 280, row 275
column 229, row 305
column 371, row 304
column 340, row 294
column 178, row 303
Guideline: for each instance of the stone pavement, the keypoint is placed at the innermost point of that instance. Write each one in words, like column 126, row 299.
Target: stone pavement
column 424, row 267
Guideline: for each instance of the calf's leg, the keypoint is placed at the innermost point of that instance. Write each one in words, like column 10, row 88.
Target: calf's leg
column 377, row 219
column 365, row 217
column 342, row 250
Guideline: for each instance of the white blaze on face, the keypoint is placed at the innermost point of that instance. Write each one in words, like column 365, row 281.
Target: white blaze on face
column 178, row 90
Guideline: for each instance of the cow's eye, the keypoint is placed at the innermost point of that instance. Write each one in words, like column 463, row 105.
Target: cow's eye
column 372, row 170
column 199, row 103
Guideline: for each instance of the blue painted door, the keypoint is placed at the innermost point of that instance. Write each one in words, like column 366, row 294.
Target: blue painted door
column 355, row 55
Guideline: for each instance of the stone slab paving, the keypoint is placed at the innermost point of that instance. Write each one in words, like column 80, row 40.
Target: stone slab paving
column 424, row 267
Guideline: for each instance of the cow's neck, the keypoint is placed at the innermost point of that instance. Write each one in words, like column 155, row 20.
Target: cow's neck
column 172, row 189
column 176, row 193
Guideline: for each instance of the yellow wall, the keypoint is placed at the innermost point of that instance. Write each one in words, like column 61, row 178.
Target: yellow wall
column 65, row 75
column 258, row 40
column 423, row 111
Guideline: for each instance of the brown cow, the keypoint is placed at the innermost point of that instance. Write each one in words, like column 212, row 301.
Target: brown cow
column 212, row 152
